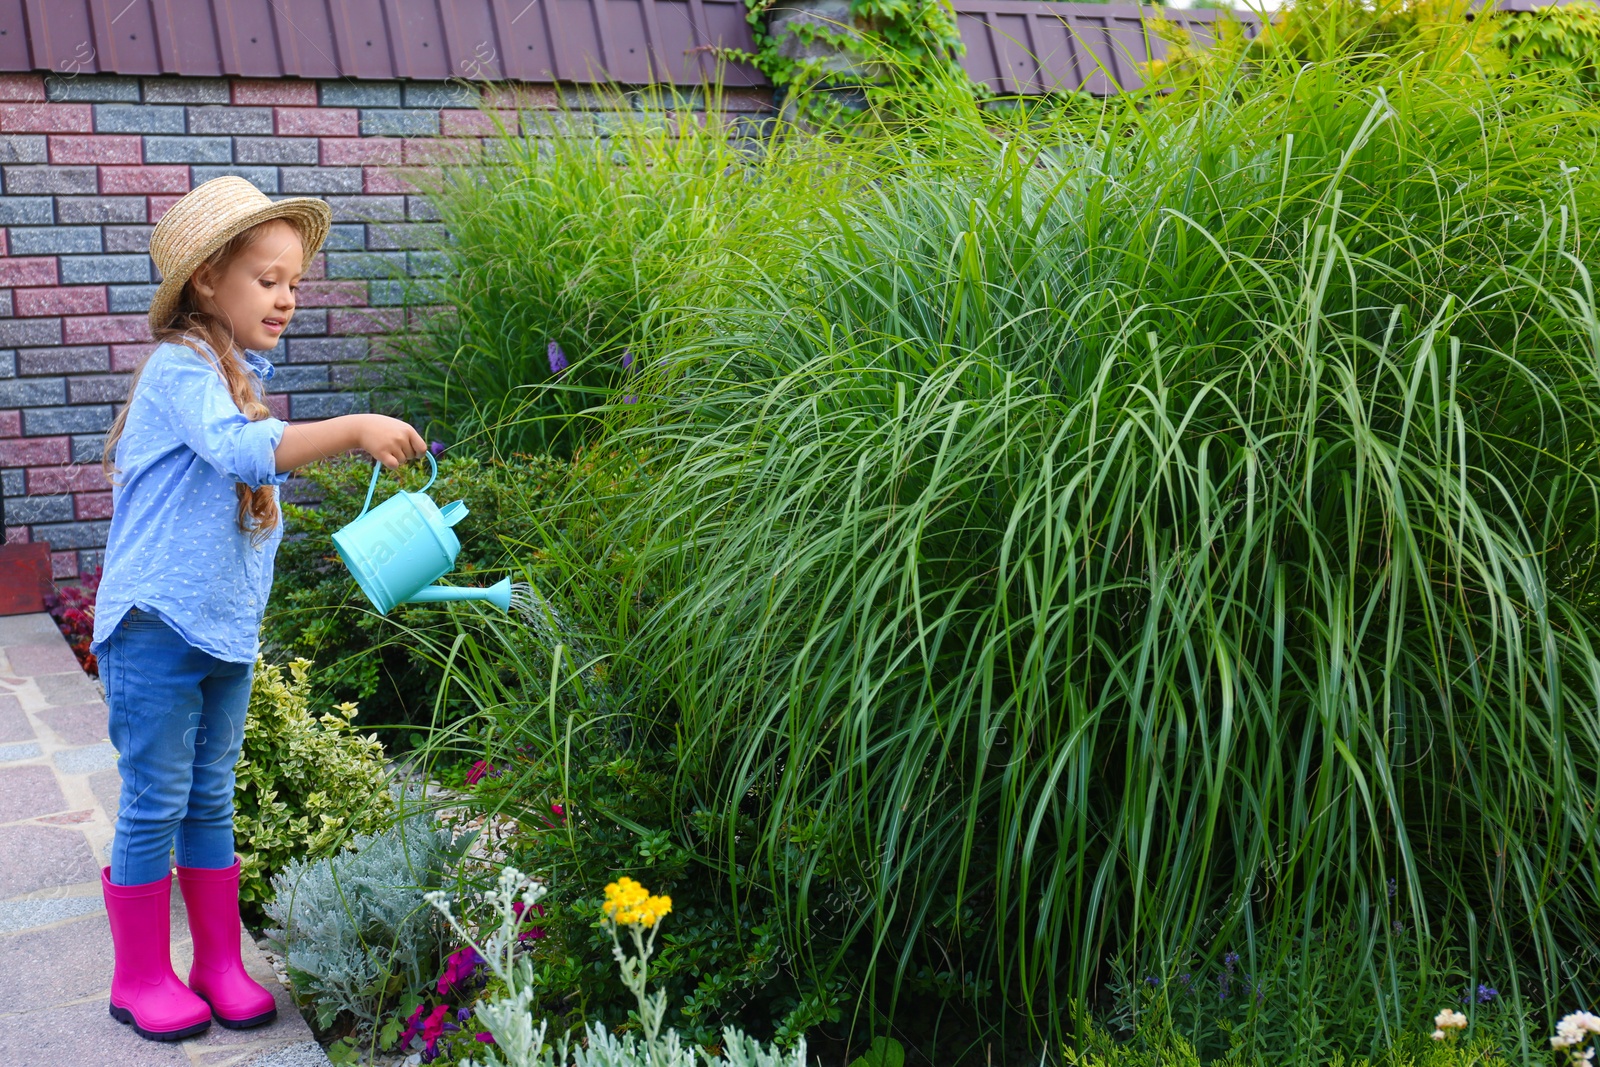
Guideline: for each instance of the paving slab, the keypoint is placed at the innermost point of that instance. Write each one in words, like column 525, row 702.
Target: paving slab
column 57, row 964
column 75, row 724
column 28, row 792
column 34, row 857
column 27, row 914
column 53, row 657
column 73, row 688
column 59, row 791
column 20, row 751
column 27, row 629
column 81, row 1035
column 86, row 760
column 14, row 724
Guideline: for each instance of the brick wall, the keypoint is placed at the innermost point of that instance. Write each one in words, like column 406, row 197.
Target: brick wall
column 88, row 164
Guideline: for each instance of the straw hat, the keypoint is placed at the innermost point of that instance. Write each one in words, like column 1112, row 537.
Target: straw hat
column 207, row 217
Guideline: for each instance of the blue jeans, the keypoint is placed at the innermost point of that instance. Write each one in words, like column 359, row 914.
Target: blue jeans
column 177, row 722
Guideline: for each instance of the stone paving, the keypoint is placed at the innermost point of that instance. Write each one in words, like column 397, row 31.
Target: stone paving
column 58, row 795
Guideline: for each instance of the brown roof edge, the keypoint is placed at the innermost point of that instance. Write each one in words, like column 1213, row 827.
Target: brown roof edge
column 1013, row 46
column 633, row 42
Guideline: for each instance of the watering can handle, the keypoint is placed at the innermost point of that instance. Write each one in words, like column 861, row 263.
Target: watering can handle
column 377, row 469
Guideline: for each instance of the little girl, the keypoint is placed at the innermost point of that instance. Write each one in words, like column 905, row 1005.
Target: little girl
column 195, row 459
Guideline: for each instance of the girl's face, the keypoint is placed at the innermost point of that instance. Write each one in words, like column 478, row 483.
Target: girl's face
column 255, row 296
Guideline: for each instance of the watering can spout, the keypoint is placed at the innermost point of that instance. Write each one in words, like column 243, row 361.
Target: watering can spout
column 498, row 594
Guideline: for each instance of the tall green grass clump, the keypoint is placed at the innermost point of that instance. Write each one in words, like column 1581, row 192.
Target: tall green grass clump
column 583, row 237
column 1115, row 544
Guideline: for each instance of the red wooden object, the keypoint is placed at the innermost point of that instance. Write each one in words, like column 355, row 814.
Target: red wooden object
column 25, row 577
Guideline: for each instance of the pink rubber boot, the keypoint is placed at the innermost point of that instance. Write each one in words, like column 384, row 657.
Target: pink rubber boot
column 218, row 974
column 144, row 992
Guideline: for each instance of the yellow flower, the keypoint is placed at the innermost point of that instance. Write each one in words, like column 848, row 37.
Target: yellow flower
column 630, row 904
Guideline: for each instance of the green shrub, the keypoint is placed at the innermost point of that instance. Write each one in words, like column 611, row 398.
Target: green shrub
column 354, row 928
column 305, row 782
column 603, row 811
column 319, row 612
column 509, row 1015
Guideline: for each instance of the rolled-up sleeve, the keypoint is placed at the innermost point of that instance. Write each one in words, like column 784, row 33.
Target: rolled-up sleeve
column 195, row 401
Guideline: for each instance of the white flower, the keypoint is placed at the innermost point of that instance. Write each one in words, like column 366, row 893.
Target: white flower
column 1573, row 1029
column 1450, row 1020
column 1438, row 1035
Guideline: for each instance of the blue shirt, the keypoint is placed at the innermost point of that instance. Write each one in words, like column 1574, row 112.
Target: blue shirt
column 175, row 548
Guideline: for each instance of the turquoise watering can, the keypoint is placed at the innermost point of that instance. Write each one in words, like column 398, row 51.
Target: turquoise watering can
column 397, row 550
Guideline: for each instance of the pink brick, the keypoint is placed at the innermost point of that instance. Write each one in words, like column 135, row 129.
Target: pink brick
column 10, row 424
column 21, row 87
column 317, row 121
column 46, row 118
column 447, row 152
column 35, row 451
column 82, row 478
column 28, row 270
column 61, row 300
column 455, row 122
column 349, row 151
column 367, row 320
column 262, row 91
column 318, row 269
column 129, row 357
column 333, row 294
column 104, row 329
column 92, row 505
column 3, row 243
column 147, row 179
column 64, row 564
column 523, row 96
column 278, row 404
column 378, row 180
column 16, row 535
column 159, row 206
column 95, row 148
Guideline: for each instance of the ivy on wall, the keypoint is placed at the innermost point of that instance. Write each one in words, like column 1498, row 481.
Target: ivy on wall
column 1564, row 41
column 886, row 41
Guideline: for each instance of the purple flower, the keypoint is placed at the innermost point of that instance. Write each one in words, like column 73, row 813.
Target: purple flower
column 459, row 967
column 1230, row 961
column 436, row 447
column 630, row 399
column 532, row 933
column 478, row 770
column 433, row 1029
column 485, row 1036
column 558, row 358
column 413, row 1026
column 627, row 359
column 463, row 1015
column 1486, row 994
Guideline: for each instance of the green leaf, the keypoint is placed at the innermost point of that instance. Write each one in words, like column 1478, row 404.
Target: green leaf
column 883, row 1052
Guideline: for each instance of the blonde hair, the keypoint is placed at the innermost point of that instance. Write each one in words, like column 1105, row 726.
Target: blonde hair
column 258, row 508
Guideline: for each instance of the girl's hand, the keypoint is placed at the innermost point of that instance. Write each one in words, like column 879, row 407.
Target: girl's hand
column 390, row 441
